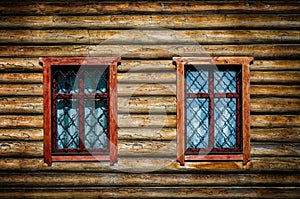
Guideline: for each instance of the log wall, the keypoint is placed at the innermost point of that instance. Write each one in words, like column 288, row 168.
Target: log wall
column 268, row 31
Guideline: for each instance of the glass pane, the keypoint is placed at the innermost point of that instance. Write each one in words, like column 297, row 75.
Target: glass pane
column 96, row 131
column 197, row 81
column 95, row 80
column 225, row 81
column 67, row 135
column 66, row 80
column 197, row 118
column 225, row 122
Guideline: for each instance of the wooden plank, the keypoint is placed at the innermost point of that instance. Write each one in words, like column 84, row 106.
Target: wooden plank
column 266, row 121
column 155, row 192
column 32, row 64
column 275, row 164
column 275, row 149
column 140, row 120
column 155, row 89
column 144, row 179
column 21, row 121
column 275, row 105
column 275, row 134
column 149, row 105
column 265, row 51
column 291, row 77
column 21, row 105
column 160, row 121
column 21, row 134
column 148, row 36
column 274, row 91
column 275, row 21
column 149, row 134
column 138, row 148
column 94, row 8
column 21, row 90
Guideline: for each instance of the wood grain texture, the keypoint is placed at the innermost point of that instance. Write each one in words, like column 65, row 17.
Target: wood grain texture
column 266, row 51
column 148, row 36
column 95, row 8
column 221, row 21
column 21, row 134
column 32, row 64
column 275, row 135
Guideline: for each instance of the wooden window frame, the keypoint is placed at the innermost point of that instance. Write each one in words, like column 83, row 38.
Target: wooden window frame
column 112, row 63
column 244, row 63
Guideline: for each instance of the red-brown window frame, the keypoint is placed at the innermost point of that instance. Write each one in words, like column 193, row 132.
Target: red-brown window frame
column 180, row 63
column 112, row 63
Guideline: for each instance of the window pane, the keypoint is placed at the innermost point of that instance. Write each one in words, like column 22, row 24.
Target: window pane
column 225, row 81
column 67, row 124
column 197, row 118
column 225, row 122
column 95, row 79
column 197, row 81
column 95, row 123
column 66, row 80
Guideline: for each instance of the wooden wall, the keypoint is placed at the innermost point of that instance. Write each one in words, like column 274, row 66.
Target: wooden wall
column 268, row 31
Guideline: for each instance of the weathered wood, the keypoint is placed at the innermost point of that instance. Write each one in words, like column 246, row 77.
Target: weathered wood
column 149, row 105
column 275, row 134
column 169, row 121
column 144, row 179
column 31, row 64
column 155, row 89
column 155, row 51
column 125, row 120
column 147, row 78
column 21, row 134
column 141, row 164
column 21, row 105
column 94, row 8
column 21, row 90
column 292, row 77
column 275, row 149
column 155, row 192
column 22, row 121
column 275, row 105
column 148, row 36
column 275, row 77
column 275, row 121
column 137, row 21
column 274, row 91
column 21, row 149
column 149, row 149
column 146, row 134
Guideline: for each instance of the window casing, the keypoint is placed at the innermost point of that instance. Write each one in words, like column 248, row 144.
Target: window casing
column 213, row 108
column 80, row 109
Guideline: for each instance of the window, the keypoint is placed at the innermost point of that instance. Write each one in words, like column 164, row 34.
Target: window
column 80, row 109
column 213, row 108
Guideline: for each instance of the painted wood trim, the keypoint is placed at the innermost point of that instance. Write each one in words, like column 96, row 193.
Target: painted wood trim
column 232, row 157
column 79, row 158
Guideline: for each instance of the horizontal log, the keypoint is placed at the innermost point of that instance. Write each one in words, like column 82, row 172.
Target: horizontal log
column 275, row 121
column 138, row 148
column 21, row 149
column 21, row 134
column 275, row 77
column 168, row 121
column 274, row 91
column 94, row 8
column 32, row 64
column 155, row 89
column 21, row 105
column 152, row 192
column 142, row 165
column 275, row 105
column 149, row 134
column 286, row 77
column 144, row 179
column 275, row 135
column 148, row 37
column 21, row 90
column 275, row 21
column 155, row 51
